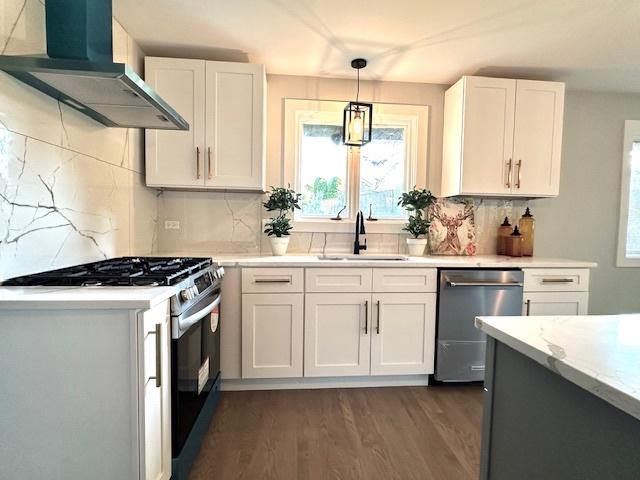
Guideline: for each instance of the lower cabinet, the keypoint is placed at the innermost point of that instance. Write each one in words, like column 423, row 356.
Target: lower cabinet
column 363, row 334
column 402, row 334
column 556, row 303
column 272, row 335
column 337, row 340
column 155, row 385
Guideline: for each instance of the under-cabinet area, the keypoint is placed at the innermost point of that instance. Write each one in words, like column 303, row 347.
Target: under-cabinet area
column 310, row 327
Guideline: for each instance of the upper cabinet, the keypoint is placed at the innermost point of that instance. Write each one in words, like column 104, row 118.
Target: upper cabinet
column 224, row 104
column 502, row 137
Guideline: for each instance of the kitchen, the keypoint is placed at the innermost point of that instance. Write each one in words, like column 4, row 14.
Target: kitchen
column 315, row 381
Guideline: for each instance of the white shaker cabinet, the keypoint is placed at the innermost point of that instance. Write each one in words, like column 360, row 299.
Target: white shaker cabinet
column 224, row 104
column 556, row 303
column 402, row 333
column 174, row 157
column 502, row 137
column 337, row 334
column 155, row 383
column 272, row 335
column 556, row 291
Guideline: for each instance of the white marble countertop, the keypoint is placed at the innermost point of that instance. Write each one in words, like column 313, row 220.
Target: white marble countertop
column 598, row 353
column 147, row 297
column 483, row 261
column 125, row 298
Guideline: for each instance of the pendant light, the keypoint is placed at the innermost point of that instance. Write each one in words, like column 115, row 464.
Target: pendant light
column 356, row 123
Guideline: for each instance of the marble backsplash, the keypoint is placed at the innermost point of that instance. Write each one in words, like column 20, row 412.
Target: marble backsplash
column 71, row 190
column 231, row 223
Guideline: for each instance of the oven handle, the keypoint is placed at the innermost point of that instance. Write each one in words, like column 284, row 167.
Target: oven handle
column 184, row 323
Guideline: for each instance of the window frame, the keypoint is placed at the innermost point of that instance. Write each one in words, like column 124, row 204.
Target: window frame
column 631, row 136
column 408, row 116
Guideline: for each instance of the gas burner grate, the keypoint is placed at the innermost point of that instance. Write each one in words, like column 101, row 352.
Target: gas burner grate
column 121, row 271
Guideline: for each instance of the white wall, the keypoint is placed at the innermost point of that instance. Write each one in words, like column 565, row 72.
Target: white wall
column 583, row 221
column 71, row 190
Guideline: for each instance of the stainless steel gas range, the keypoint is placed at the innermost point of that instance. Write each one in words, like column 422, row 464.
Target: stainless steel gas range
column 195, row 333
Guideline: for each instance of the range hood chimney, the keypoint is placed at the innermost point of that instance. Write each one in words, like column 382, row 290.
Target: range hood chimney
column 80, row 71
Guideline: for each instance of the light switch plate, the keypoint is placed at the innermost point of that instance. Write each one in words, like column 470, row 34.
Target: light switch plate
column 171, row 225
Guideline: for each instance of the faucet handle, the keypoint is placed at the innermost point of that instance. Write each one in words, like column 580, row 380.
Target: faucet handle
column 364, row 247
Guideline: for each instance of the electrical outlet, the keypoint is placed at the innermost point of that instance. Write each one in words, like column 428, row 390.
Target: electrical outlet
column 171, row 225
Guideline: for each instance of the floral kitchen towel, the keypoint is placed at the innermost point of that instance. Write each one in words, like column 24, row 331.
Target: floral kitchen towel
column 452, row 230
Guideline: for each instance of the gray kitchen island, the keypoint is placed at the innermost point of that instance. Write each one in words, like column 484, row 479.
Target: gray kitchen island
column 562, row 398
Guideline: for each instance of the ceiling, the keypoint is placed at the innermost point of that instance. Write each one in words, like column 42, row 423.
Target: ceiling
column 590, row 44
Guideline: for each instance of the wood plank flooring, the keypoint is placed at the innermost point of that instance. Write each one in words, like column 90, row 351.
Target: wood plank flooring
column 374, row 433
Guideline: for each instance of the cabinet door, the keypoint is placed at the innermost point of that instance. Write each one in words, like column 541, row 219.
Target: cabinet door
column 537, row 138
column 337, row 330
column 172, row 158
column 272, row 335
column 235, row 122
column 403, row 333
column 155, row 379
column 488, row 135
column 556, row 303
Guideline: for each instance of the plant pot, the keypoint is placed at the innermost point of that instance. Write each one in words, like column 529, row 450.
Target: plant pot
column 416, row 246
column 279, row 245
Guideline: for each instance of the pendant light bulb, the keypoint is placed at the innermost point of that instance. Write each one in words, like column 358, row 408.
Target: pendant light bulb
column 356, row 128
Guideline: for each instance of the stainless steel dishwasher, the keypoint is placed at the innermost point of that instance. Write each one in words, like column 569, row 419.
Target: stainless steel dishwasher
column 462, row 296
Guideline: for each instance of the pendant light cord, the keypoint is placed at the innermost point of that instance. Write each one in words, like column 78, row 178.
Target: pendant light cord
column 358, row 85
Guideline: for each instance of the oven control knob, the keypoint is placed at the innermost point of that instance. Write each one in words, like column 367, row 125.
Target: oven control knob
column 186, row 295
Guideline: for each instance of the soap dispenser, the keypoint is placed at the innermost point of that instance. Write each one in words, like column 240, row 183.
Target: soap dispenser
column 527, row 224
column 503, row 234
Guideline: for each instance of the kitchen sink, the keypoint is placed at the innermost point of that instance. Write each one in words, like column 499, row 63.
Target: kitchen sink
column 364, row 258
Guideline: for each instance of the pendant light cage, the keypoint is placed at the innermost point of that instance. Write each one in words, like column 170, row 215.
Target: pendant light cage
column 358, row 116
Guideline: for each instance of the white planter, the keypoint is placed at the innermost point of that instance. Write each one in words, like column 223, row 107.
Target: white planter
column 416, row 246
column 279, row 245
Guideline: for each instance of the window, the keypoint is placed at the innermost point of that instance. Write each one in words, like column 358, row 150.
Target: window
column 629, row 230
column 335, row 178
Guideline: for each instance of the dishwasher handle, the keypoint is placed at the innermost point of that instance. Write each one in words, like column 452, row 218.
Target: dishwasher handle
column 483, row 284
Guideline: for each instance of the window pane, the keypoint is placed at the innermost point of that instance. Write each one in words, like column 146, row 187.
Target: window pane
column 633, row 225
column 382, row 172
column 323, row 171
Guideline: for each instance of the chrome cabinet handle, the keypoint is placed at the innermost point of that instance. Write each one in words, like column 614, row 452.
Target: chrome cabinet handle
column 366, row 317
column 209, row 163
column 378, row 325
column 158, row 376
column 519, row 172
column 198, row 162
column 557, row 280
column 510, row 163
column 272, row 280
column 528, row 304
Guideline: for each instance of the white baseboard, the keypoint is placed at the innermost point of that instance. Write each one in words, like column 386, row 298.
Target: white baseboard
column 324, row 382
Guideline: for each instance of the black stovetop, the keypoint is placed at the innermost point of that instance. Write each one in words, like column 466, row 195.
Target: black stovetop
column 125, row 271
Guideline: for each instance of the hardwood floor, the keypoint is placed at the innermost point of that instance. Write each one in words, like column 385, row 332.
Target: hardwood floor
column 374, row 433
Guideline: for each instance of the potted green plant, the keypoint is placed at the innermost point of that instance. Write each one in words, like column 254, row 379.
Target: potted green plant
column 415, row 202
column 281, row 200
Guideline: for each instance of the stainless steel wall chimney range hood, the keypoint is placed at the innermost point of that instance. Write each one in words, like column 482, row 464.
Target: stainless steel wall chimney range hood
column 80, row 71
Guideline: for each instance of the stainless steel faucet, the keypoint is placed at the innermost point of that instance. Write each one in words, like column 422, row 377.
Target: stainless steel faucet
column 359, row 231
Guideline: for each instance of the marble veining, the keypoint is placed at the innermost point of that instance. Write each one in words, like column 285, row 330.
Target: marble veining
column 599, row 353
column 71, row 190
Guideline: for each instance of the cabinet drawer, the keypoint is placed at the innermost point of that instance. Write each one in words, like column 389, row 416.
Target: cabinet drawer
column 404, row 279
column 351, row 280
column 272, row 280
column 556, row 280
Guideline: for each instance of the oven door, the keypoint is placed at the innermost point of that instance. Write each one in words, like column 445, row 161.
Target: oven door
column 195, row 360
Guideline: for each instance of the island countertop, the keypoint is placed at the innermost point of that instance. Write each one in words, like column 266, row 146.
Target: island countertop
column 600, row 353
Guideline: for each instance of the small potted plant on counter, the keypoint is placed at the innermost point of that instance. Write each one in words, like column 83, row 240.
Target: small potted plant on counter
column 415, row 202
column 281, row 200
